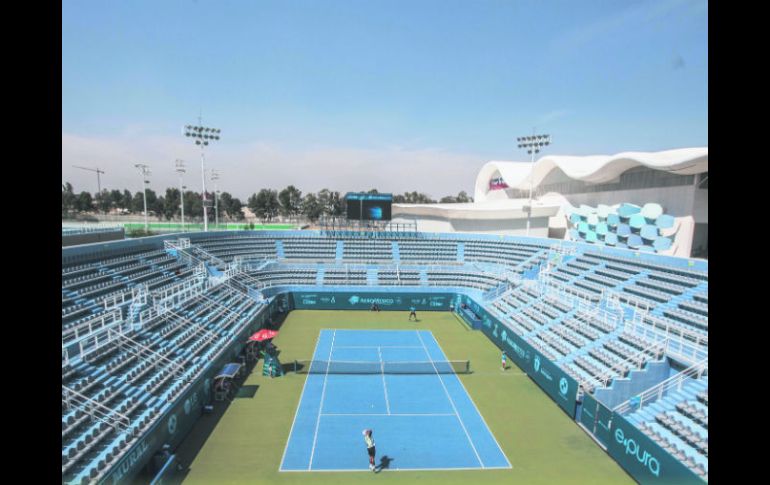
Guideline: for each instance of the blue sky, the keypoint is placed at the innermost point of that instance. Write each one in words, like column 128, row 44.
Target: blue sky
column 398, row 95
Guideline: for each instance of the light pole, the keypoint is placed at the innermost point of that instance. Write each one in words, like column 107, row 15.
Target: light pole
column 532, row 144
column 202, row 136
column 144, row 170
column 181, row 170
column 214, row 177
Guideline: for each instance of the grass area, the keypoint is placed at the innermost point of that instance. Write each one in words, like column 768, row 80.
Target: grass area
column 243, row 441
column 212, row 227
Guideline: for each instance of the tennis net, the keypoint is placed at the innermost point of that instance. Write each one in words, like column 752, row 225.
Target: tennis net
column 368, row 367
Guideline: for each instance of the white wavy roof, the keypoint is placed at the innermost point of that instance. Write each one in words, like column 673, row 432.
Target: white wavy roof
column 496, row 209
column 592, row 168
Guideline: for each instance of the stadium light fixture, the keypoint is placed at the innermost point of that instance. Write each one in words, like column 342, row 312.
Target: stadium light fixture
column 144, row 170
column 203, row 135
column 532, row 144
column 181, row 171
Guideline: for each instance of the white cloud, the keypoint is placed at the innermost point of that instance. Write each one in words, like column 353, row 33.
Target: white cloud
column 552, row 116
column 606, row 27
column 246, row 168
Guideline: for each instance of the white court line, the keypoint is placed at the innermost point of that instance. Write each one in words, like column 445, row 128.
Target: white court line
column 477, row 408
column 391, row 414
column 384, row 386
column 359, row 470
column 296, row 412
column 321, row 405
column 379, row 347
column 450, row 400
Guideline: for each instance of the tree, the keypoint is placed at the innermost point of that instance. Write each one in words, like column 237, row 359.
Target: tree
column 159, row 207
column 193, row 205
column 152, row 200
column 290, row 200
column 311, row 207
column 84, row 202
column 463, row 197
column 103, row 200
column 137, row 203
column 116, row 199
column 413, row 198
column 264, row 204
column 235, row 209
column 324, row 200
column 231, row 206
column 331, row 202
column 336, row 204
column 68, row 199
column 171, row 203
column 125, row 201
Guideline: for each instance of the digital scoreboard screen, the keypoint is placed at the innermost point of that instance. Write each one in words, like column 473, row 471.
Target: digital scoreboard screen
column 369, row 207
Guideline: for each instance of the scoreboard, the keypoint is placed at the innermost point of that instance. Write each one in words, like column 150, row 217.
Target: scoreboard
column 369, row 207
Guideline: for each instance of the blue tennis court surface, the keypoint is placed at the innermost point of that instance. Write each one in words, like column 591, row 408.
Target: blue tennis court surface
column 419, row 422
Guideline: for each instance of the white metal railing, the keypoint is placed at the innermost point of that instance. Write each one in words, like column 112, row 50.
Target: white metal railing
column 178, row 294
column 117, row 299
column 91, row 326
column 142, row 351
column 547, row 284
column 73, row 230
column 248, row 280
column 220, row 305
column 497, row 291
column 96, row 410
column 684, row 344
column 201, row 254
column 172, row 291
column 210, row 335
column 101, row 339
column 635, row 360
column 695, row 371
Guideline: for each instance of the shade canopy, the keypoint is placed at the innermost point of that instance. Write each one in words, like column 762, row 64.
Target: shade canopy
column 229, row 371
column 264, row 334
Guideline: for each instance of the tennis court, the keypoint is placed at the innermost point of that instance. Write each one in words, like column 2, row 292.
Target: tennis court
column 398, row 383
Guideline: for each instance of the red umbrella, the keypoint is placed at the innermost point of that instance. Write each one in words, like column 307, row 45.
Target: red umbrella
column 264, row 334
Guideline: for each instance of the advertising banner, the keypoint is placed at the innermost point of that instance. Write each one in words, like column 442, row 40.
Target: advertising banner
column 603, row 423
column 588, row 414
column 596, row 417
column 555, row 382
column 643, row 459
column 349, row 300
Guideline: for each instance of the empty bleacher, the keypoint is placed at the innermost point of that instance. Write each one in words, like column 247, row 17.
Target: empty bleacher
column 139, row 385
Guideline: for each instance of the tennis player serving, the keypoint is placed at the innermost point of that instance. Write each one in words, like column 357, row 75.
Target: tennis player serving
column 369, row 447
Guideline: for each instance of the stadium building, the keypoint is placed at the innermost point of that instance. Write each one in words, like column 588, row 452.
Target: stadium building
column 155, row 330
column 647, row 201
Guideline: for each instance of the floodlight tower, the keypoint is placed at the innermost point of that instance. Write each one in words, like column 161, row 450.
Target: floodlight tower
column 181, row 170
column 214, row 177
column 144, row 170
column 532, row 144
column 202, row 136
